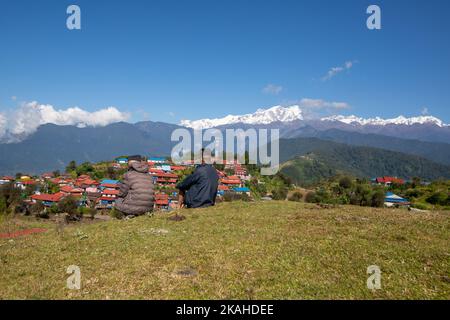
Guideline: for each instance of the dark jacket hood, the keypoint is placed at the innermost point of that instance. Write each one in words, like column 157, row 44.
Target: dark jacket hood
column 140, row 167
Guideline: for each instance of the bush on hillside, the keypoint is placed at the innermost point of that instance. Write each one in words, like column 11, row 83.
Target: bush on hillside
column 438, row 198
column 345, row 182
column 310, row 197
column 296, row 196
column 378, row 199
column 279, row 194
column 69, row 205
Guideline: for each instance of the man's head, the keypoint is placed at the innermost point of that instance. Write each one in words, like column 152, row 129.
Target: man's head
column 134, row 159
column 206, row 157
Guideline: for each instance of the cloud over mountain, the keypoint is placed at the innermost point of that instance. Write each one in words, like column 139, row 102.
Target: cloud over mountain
column 31, row 115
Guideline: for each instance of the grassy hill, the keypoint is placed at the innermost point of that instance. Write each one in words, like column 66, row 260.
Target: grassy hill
column 311, row 159
column 237, row 250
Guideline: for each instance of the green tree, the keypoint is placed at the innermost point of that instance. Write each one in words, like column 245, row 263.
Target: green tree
column 72, row 166
column 345, row 182
column 68, row 205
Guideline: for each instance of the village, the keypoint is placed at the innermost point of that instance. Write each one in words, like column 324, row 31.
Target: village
column 102, row 194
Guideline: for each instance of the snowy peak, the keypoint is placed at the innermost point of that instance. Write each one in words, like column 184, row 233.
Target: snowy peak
column 261, row 116
column 295, row 112
column 401, row 120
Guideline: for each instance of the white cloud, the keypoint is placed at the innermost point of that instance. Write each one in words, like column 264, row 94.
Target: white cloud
column 13, row 98
column 31, row 115
column 3, row 122
column 335, row 70
column 272, row 89
column 317, row 104
column 172, row 114
column 425, row 111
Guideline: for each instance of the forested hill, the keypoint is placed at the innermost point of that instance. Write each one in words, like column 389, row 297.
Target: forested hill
column 307, row 160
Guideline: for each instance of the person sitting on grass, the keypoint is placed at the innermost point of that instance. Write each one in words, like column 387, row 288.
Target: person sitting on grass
column 136, row 195
column 199, row 190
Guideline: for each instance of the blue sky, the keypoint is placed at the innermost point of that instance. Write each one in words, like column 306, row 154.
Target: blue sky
column 172, row 60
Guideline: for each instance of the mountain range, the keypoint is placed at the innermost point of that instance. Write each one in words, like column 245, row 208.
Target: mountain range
column 400, row 143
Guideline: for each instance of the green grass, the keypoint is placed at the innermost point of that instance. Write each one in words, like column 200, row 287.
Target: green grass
column 272, row 250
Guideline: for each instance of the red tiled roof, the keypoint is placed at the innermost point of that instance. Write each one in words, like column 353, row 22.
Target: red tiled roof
column 28, row 182
column 162, row 202
column 224, row 188
column 66, row 189
column 230, row 181
column 48, row 197
column 160, row 196
column 177, row 168
column 390, row 180
column 89, row 182
column 111, row 192
column 167, row 175
column 110, row 185
column 7, row 178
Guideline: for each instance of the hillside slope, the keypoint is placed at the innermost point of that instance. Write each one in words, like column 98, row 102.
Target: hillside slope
column 311, row 159
column 262, row 250
column 434, row 151
column 53, row 147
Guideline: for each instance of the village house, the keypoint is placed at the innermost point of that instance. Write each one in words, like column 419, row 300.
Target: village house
column 85, row 182
column 393, row 200
column 47, row 175
column 232, row 181
column 121, row 160
column 161, row 201
column 156, row 160
column 23, row 184
column 6, row 179
column 242, row 190
column 48, row 199
column 387, row 181
column 71, row 191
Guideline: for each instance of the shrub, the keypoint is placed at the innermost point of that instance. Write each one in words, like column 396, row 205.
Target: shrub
column 53, row 209
column 36, row 208
column 2, row 205
column 296, row 196
column 279, row 194
column 233, row 196
column 69, row 205
column 92, row 212
column 345, row 182
column 116, row 214
column 438, row 198
column 378, row 199
column 310, row 197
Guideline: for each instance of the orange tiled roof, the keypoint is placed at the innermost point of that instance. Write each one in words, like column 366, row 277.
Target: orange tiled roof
column 48, row 197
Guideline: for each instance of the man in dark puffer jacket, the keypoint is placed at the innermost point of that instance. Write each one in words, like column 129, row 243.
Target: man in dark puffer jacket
column 136, row 195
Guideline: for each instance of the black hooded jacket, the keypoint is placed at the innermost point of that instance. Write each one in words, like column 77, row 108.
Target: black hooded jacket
column 200, row 187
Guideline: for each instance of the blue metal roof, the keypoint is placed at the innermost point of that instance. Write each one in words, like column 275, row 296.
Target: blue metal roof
column 108, row 181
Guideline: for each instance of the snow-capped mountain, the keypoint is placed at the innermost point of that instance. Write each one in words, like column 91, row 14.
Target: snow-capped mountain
column 261, row 116
column 293, row 122
column 401, row 120
column 295, row 113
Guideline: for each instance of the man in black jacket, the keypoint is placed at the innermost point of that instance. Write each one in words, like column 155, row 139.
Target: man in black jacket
column 199, row 189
